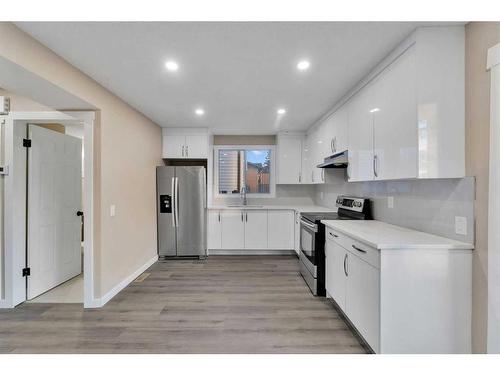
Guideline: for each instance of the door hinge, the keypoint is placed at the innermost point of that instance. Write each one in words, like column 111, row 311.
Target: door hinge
column 26, row 271
column 26, row 142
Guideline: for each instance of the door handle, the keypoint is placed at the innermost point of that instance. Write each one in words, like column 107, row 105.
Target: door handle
column 173, row 201
column 345, row 265
column 357, row 248
column 177, row 201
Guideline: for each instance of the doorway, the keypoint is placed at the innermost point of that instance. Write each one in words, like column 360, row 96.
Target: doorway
column 48, row 228
column 54, row 213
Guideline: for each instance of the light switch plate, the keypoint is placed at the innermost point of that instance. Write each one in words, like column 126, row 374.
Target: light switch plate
column 112, row 210
column 390, row 202
column 461, row 225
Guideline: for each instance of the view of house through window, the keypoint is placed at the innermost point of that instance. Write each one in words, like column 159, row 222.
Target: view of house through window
column 244, row 168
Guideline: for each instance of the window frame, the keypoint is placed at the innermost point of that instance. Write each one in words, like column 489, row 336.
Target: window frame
column 272, row 174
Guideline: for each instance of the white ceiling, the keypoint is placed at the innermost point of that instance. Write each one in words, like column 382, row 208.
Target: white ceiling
column 240, row 73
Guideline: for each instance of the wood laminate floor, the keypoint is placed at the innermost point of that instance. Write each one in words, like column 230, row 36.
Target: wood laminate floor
column 225, row 304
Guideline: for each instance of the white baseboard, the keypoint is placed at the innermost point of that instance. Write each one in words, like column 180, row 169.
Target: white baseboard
column 249, row 252
column 100, row 302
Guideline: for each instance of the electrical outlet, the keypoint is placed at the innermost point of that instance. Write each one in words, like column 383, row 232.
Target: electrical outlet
column 461, row 225
column 112, row 210
column 390, row 202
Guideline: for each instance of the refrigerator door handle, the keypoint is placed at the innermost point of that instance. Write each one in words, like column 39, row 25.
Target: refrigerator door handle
column 173, row 201
column 177, row 201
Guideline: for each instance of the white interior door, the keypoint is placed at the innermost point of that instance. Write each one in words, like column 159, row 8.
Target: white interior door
column 54, row 198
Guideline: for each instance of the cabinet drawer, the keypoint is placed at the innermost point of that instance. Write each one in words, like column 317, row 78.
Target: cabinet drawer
column 361, row 250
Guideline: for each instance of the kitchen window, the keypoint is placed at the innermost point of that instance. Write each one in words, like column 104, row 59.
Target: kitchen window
column 249, row 167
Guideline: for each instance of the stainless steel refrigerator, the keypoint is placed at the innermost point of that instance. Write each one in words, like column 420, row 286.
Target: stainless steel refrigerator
column 181, row 210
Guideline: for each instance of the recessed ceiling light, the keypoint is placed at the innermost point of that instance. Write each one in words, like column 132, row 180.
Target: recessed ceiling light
column 374, row 110
column 172, row 66
column 199, row 111
column 281, row 111
column 303, row 65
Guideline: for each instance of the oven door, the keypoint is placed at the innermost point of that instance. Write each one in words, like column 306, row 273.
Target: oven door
column 308, row 232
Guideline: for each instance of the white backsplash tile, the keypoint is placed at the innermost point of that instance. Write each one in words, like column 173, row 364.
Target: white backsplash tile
column 426, row 205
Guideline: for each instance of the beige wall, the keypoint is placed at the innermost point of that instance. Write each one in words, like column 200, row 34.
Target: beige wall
column 479, row 36
column 229, row 140
column 127, row 149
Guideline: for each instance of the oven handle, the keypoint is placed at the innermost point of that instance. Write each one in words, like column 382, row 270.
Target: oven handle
column 308, row 225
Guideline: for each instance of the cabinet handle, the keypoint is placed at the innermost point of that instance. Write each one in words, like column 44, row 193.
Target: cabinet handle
column 312, row 176
column 182, row 150
column 187, row 151
column 219, row 216
column 375, row 158
column 335, row 144
column 331, row 145
column 241, row 216
column 300, row 177
column 333, row 234
column 246, row 216
column 345, row 265
column 323, row 175
column 347, row 172
column 357, row 248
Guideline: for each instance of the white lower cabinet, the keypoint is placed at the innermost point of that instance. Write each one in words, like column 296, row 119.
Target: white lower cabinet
column 251, row 230
column 233, row 229
column 214, row 233
column 354, row 285
column 297, row 233
column 255, row 229
column 402, row 300
column 281, row 229
column 336, row 276
column 363, row 303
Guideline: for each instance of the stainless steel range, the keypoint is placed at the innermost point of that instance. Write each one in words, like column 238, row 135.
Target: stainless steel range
column 312, row 238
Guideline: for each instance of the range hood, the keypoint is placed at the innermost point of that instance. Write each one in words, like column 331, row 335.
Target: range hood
column 338, row 160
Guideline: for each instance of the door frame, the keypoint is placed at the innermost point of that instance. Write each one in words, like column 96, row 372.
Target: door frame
column 10, row 278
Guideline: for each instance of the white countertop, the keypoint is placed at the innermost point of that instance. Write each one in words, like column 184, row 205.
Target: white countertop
column 385, row 236
column 298, row 208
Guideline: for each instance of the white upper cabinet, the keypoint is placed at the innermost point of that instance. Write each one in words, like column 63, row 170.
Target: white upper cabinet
column 335, row 132
column 307, row 161
column 196, row 146
column 408, row 120
column 185, row 143
column 395, row 139
column 173, row 146
column 289, row 161
column 361, row 162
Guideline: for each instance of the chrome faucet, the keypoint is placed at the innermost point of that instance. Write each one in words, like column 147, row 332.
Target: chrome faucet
column 244, row 195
